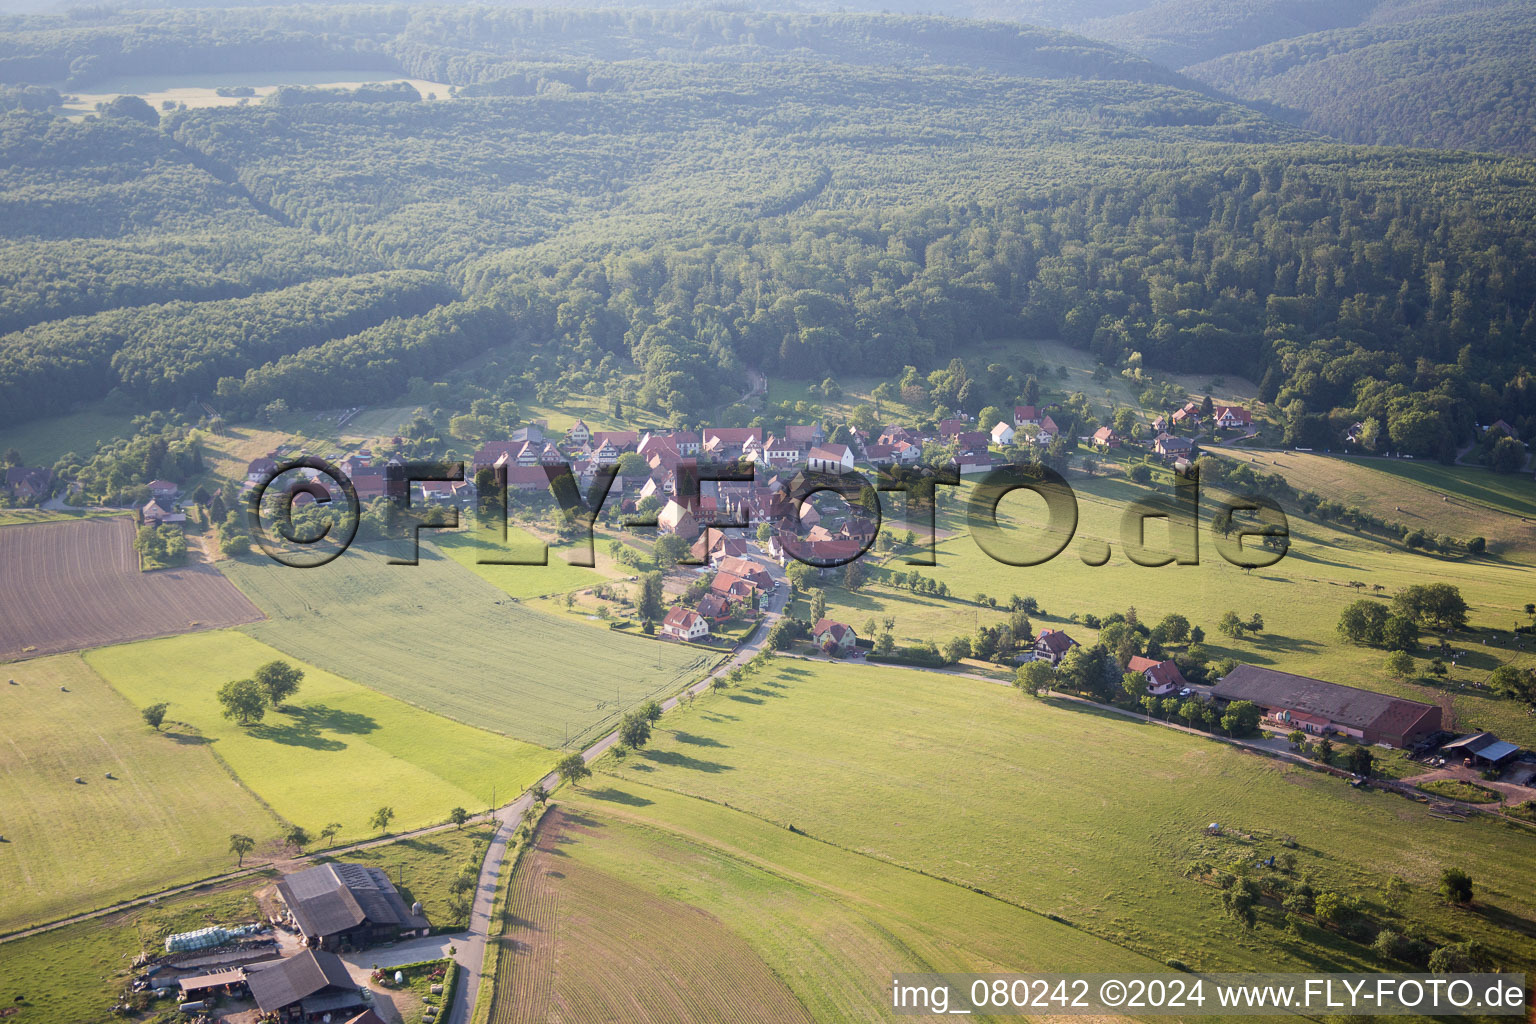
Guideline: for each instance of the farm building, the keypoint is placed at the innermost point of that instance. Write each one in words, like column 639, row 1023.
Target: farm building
column 309, row 986
column 348, row 905
column 1315, row 706
column 1483, row 748
column 1105, row 438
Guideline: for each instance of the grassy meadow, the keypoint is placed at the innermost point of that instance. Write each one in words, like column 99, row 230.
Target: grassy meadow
column 1300, row 597
column 829, row 923
column 1460, row 501
column 523, row 582
column 342, row 752
column 438, row 636
column 165, row 816
column 1060, row 808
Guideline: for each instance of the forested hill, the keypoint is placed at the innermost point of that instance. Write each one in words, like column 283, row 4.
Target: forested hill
column 463, row 46
column 1461, row 76
column 801, row 194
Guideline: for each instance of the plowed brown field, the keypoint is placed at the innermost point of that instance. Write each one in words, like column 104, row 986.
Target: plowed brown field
column 584, row 946
column 69, row 586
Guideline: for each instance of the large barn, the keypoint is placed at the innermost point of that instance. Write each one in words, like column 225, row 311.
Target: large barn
column 310, row 986
column 349, row 906
column 1319, row 707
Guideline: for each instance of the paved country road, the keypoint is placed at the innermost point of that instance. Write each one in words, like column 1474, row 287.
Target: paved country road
column 472, row 944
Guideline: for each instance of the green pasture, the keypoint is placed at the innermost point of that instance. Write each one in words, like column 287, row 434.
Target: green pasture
column 164, row 817
column 827, row 921
column 341, row 752
column 1065, row 809
column 441, row 638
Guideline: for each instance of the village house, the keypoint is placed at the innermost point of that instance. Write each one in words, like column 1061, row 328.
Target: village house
column 579, row 434
column 714, row 607
column 1314, row 706
column 1105, row 438
column 259, row 469
column 1170, row 446
column 835, row 638
column 28, row 482
column 830, row 458
column 160, row 512
column 951, row 428
column 163, row 489
column 1026, row 416
column 1052, row 645
column 683, row 624
column 348, row 906
column 1188, row 415
column 1505, row 428
column 1002, row 434
column 734, row 590
column 747, row 570
column 1232, row 417
column 1163, row 677
column 1047, row 431
column 806, row 435
column 309, row 986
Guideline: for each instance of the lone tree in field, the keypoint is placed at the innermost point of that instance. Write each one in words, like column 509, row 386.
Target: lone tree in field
column 635, row 730
column 240, row 845
column 1230, row 625
column 243, row 701
column 155, row 714
column 1400, row 664
column 296, row 837
column 652, row 710
column 381, row 818
column 458, row 816
column 278, row 681
column 1456, row 886
column 330, row 832
column 573, row 769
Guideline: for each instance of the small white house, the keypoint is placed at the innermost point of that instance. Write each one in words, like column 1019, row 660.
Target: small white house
column 1002, row 434
column 684, row 624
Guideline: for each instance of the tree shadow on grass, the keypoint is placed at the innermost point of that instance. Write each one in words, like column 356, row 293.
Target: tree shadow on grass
column 306, row 725
column 696, row 740
column 1505, row 919
column 674, row 759
column 619, row 796
column 187, row 739
column 765, row 693
column 747, row 700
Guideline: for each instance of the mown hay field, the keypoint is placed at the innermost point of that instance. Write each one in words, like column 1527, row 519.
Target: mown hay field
column 1067, row 809
column 437, row 636
column 336, row 752
column 761, row 924
column 76, row 584
column 163, row 818
column 1300, row 598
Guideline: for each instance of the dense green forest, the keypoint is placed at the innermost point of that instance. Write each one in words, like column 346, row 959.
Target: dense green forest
column 1457, row 76
column 653, row 201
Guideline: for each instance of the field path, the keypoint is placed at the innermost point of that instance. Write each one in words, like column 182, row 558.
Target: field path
column 470, row 944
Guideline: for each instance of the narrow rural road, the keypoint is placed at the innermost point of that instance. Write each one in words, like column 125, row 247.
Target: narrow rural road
column 471, row 945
